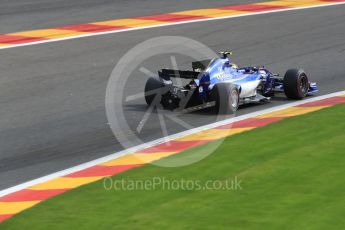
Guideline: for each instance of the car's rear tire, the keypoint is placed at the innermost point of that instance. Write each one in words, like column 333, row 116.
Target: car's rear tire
column 152, row 90
column 226, row 97
column 296, row 84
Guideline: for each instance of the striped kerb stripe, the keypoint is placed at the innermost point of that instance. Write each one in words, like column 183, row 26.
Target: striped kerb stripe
column 16, row 202
column 70, row 31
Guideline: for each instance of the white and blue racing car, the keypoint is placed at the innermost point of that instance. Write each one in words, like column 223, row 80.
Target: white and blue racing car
column 221, row 84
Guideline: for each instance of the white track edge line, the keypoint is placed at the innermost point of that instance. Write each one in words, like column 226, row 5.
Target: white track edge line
column 168, row 24
column 158, row 141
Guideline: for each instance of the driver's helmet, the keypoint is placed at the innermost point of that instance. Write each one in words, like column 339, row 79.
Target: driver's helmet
column 233, row 65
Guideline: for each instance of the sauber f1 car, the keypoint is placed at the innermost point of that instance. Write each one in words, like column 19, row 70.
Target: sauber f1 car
column 221, row 84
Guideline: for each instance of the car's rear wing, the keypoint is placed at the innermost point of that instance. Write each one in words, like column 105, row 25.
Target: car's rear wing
column 167, row 74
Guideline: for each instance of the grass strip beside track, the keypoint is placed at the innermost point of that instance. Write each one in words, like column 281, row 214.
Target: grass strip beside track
column 291, row 174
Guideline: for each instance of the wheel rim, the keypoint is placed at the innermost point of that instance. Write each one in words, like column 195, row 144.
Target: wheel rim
column 303, row 85
column 234, row 98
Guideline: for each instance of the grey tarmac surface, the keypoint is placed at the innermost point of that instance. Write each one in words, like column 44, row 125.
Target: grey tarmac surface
column 52, row 95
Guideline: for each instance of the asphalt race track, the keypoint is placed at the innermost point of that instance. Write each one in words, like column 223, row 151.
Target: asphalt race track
column 52, row 95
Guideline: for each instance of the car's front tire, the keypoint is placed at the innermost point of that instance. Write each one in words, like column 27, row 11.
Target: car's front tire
column 296, row 84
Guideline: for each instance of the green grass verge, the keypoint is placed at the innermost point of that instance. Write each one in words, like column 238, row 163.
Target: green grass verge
column 292, row 177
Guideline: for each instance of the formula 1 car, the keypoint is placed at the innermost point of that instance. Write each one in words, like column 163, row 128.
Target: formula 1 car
column 221, row 84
